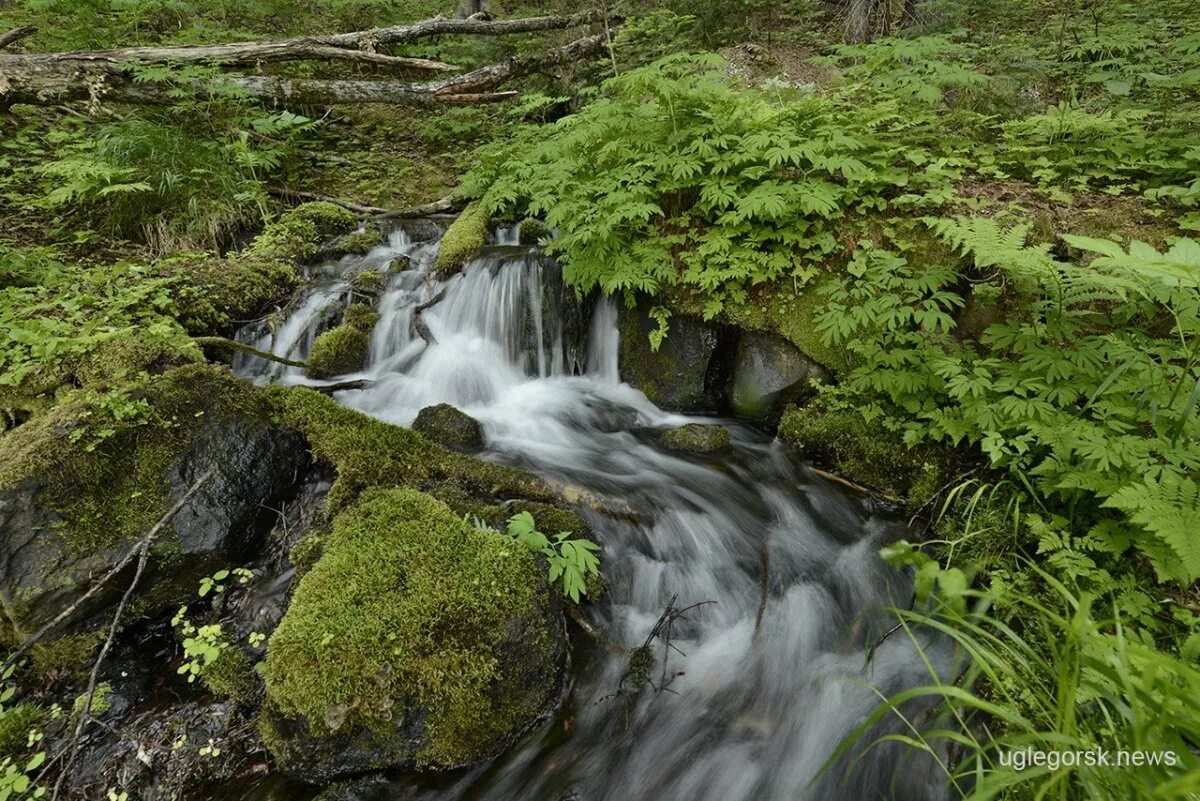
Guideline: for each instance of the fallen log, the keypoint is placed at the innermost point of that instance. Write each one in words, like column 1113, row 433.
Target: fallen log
column 447, row 203
column 109, row 75
column 15, row 35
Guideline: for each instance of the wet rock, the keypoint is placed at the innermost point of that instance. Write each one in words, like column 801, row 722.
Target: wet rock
column 72, row 506
column 690, row 370
column 532, row 231
column 358, row 243
column 354, row 681
column 696, row 438
column 770, row 374
column 165, row 754
column 399, row 264
column 565, row 318
column 453, row 428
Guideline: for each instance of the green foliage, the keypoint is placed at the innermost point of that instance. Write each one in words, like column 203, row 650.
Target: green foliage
column 924, row 69
column 674, row 175
column 168, row 179
column 571, row 561
column 338, row 351
column 1053, row 673
column 1083, row 393
column 20, row 744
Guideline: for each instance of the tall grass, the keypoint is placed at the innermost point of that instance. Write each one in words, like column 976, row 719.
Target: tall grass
column 1051, row 674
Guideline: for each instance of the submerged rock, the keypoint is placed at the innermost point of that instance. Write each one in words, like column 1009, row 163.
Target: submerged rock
column 696, row 438
column 769, row 374
column 453, row 428
column 78, row 486
column 416, row 641
column 690, row 370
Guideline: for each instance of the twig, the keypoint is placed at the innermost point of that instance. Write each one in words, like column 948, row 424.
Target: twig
column 143, row 550
column 16, row 34
column 233, row 344
column 125, row 560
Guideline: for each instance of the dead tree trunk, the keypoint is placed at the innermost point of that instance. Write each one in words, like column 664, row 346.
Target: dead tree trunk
column 95, row 76
column 858, row 21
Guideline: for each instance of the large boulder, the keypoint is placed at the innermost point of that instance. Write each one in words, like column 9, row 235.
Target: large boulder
column 769, row 374
column 416, row 642
column 79, row 485
column 690, row 370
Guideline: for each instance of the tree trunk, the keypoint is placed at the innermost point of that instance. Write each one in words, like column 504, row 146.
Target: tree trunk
column 858, row 21
column 95, row 76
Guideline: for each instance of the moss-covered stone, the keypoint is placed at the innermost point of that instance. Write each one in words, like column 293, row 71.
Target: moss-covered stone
column 696, row 438
column 367, row 452
column 689, row 371
column 339, row 351
column 532, row 231
column 360, row 316
column 463, row 240
column 358, row 243
column 416, row 641
column 453, row 428
column 82, row 481
column 863, row 450
column 212, row 292
column 68, row 655
column 101, row 700
column 777, row 309
column 367, row 284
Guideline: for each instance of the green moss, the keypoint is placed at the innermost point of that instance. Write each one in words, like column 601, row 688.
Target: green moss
column 211, row 292
column 361, row 317
column 305, row 553
column 122, row 359
column 104, row 464
column 230, row 675
column 696, row 438
column 101, row 700
column 367, row 452
column 410, row 605
column 339, row 351
column 298, row 233
column 360, row 242
column 15, row 724
column 70, row 654
column 777, row 309
column 463, row 240
column 532, row 231
column 449, row 426
column 367, row 283
column 866, row 451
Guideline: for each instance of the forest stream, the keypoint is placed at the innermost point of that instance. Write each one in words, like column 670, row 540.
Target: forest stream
column 772, row 665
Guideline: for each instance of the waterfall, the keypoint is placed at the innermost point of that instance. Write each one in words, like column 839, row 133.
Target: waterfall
column 770, row 673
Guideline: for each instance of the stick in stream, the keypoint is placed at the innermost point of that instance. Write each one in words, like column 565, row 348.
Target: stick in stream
column 233, row 344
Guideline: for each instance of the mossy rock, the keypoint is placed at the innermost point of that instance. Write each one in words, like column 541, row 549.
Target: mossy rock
column 417, row 641
column 532, row 231
column 366, row 452
column 15, row 724
column 231, row 675
column 368, row 283
column 696, row 438
column 306, row 552
column 865, row 451
column 339, row 351
column 453, row 428
column 463, row 240
column 211, row 293
column 82, row 482
column 690, row 370
column 358, row 243
column 769, row 374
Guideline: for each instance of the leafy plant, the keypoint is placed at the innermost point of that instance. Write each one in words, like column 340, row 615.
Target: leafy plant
column 572, row 561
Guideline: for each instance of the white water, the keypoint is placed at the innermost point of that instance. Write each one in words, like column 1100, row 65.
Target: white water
column 756, row 708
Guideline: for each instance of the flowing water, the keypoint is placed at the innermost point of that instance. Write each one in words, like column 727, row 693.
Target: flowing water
column 766, row 677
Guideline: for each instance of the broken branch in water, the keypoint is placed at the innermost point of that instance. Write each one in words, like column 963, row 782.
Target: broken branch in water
column 233, row 344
